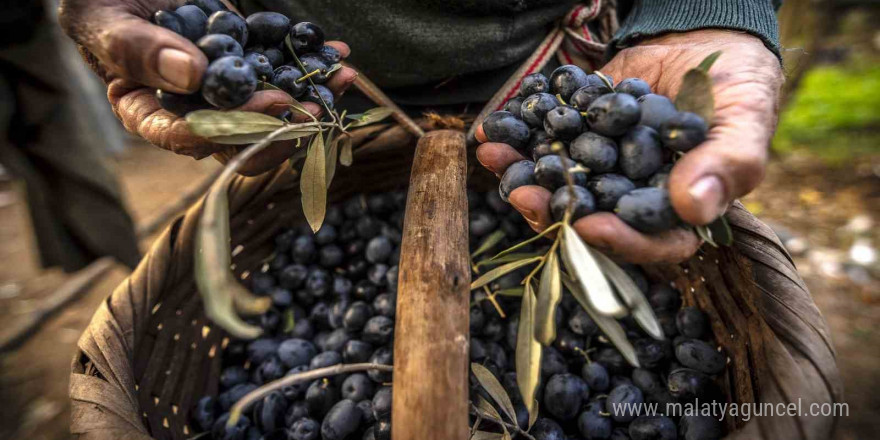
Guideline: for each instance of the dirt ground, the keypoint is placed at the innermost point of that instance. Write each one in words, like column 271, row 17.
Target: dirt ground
column 809, row 200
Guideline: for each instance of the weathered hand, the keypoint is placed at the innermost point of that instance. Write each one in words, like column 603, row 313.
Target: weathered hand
column 747, row 78
column 137, row 57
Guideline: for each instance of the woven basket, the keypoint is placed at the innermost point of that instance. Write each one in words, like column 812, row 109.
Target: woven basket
column 149, row 352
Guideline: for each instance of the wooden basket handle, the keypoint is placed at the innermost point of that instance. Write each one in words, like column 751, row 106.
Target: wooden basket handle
column 431, row 338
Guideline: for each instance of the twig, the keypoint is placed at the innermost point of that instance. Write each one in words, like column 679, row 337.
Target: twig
column 510, row 426
column 242, row 404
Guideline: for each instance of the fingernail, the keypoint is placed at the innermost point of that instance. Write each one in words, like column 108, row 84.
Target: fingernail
column 176, row 67
column 708, row 195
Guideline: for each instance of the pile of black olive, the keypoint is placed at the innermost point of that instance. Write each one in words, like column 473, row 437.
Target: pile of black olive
column 334, row 299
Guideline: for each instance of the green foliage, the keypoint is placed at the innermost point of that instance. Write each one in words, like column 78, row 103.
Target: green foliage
column 835, row 113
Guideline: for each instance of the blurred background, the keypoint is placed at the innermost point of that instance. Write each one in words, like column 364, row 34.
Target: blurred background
column 821, row 195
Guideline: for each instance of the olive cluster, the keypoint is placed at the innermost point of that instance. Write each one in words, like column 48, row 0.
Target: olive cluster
column 334, row 302
column 244, row 51
column 617, row 142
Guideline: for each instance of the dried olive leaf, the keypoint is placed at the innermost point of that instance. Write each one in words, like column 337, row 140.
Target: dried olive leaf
column 528, row 352
column 721, row 232
column 707, row 62
column 609, row 326
column 705, row 234
column 487, row 407
column 486, row 435
column 605, row 79
column 332, row 154
column 695, row 95
column 524, row 243
column 241, row 139
column 507, row 259
column 549, row 295
column 490, row 383
column 488, row 243
column 370, row 116
column 581, row 264
column 491, row 275
column 212, row 123
column 345, row 156
column 313, row 184
column 631, row 294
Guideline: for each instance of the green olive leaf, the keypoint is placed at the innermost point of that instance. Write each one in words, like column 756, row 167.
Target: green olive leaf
column 705, row 234
column 549, row 295
column 489, row 242
column 507, row 259
column 695, row 95
column 313, row 183
column 497, row 272
column 533, row 416
column 213, row 123
column 490, row 383
column 332, row 154
column 524, row 243
column 528, row 352
column 289, row 321
column 250, row 138
column 370, row 116
column 631, row 294
column 263, row 85
column 721, row 232
column 586, row 272
column 608, row 325
column 707, row 62
column 345, row 155
column 512, row 291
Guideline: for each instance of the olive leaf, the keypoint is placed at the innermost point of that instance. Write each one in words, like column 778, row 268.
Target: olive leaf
column 524, row 243
column 490, row 383
column 549, row 295
column 486, row 435
column 370, row 116
column 488, row 243
column 583, row 267
column 345, row 156
column 487, row 407
column 213, row 123
column 333, row 69
column 332, row 154
column 705, row 234
column 298, row 107
column 605, row 79
column 263, row 85
column 721, row 232
column 608, row 325
column 313, row 184
column 533, row 416
column 289, row 321
column 528, row 352
column 497, row 272
column 707, row 62
column 512, row 291
column 695, row 95
column 631, row 294
column 249, row 138
column 507, row 259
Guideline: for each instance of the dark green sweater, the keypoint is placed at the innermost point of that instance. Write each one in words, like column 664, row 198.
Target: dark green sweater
column 455, row 52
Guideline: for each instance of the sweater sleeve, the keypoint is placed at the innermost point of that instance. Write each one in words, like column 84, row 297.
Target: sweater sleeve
column 649, row 18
